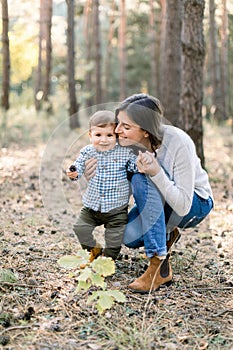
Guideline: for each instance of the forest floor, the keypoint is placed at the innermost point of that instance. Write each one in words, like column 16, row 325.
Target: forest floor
column 39, row 306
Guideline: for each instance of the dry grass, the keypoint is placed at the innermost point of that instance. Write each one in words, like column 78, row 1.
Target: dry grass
column 41, row 309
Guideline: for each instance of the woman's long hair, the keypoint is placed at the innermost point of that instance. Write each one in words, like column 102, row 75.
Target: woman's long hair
column 147, row 112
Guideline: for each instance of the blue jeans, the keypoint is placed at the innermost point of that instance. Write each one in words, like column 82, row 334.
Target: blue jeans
column 151, row 217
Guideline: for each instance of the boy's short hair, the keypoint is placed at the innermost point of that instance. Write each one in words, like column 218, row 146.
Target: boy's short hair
column 102, row 119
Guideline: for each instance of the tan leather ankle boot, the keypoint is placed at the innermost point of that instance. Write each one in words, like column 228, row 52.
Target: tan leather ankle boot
column 174, row 237
column 159, row 272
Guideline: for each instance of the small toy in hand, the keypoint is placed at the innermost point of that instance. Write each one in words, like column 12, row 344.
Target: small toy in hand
column 72, row 168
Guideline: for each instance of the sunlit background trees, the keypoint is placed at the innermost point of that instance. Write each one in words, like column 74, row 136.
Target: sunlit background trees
column 69, row 55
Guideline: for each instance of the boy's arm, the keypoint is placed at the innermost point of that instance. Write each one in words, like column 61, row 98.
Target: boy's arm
column 77, row 169
column 131, row 164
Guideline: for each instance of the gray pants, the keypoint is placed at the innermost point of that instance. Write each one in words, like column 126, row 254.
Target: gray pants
column 114, row 223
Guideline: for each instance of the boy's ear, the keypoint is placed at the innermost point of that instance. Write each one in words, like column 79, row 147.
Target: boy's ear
column 146, row 134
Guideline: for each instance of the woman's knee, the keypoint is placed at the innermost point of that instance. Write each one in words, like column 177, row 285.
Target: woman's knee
column 133, row 243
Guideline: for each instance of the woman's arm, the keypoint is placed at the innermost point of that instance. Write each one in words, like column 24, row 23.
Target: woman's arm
column 177, row 187
column 90, row 168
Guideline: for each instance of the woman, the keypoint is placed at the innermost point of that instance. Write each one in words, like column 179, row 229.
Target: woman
column 172, row 189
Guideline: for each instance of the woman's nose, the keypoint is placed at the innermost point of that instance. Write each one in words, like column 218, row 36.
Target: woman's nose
column 118, row 129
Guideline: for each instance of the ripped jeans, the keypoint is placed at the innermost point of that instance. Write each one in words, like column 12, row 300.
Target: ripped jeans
column 151, row 218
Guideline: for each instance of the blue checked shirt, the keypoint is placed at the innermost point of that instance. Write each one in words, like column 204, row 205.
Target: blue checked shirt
column 109, row 188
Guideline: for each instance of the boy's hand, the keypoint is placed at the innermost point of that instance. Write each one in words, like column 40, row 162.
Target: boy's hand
column 71, row 172
column 147, row 163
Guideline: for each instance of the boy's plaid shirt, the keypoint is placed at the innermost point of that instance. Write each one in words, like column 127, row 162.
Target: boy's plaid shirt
column 109, row 188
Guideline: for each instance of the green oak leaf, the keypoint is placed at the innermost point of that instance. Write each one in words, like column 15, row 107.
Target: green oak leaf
column 72, row 261
column 94, row 296
column 104, row 266
column 85, row 274
column 83, row 285
column 118, row 296
column 98, row 280
column 104, row 300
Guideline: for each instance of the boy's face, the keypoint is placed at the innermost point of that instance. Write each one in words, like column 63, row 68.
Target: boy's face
column 103, row 138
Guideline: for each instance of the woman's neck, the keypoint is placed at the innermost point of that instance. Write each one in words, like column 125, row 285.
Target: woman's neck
column 144, row 146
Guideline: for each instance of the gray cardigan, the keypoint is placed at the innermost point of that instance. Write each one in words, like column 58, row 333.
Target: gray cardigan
column 181, row 172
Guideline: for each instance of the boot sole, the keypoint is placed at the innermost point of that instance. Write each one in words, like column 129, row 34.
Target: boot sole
column 167, row 284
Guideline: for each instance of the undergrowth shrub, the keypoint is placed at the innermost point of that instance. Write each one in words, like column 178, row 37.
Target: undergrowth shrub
column 93, row 274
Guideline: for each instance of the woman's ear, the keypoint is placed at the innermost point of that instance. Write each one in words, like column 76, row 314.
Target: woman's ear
column 146, row 134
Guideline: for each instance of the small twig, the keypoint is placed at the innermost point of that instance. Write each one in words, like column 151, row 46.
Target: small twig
column 20, row 285
column 18, row 327
column 45, row 259
column 222, row 312
column 204, row 288
column 134, row 297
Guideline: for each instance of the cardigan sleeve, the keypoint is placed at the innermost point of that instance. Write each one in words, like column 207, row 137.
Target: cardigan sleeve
column 177, row 185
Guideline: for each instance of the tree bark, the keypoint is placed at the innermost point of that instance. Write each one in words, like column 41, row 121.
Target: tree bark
column 107, row 76
column 192, row 72
column 42, row 85
column 98, row 83
column 73, row 108
column 122, row 50
column 217, row 94
column 152, row 34
column 88, row 35
column 224, row 58
column 6, row 57
column 38, row 88
column 48, row 49
column 162, row 45
column 171, row 60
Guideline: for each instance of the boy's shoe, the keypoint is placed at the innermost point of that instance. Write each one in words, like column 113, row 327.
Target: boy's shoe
column 112, row 252
column 95, row 252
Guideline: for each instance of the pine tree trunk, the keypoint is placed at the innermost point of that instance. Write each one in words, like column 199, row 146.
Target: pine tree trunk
column 88, row 35
column 224, row 58
column 122, row 50
column 40, row 66
column 96, row 34
column 217, row 95
column 73, row 108
column 6, row 57
column 162, row 45
column 107, row 76
column 192, row 72
column 152, row 34
column 48, row 56
column 171, row 61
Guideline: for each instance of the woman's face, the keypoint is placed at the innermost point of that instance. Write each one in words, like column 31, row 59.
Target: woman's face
column 130, row 133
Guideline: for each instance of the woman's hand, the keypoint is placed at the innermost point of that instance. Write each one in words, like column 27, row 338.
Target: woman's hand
column 90, row 167
column 147, row 163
